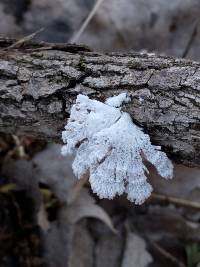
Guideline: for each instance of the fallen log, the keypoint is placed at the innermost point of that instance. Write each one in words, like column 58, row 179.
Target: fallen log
column 40, row 81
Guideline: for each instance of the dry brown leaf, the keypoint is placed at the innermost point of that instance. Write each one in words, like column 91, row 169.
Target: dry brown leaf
column 75, row 190
column 166, row 222
column 135, row 252
column 181, row 186
column 42, row 218
column 83, row 207
column 81, row 247
column 108, row 247
column 55, row 171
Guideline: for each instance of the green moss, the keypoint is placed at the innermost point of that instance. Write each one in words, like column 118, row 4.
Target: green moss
column 81, row 63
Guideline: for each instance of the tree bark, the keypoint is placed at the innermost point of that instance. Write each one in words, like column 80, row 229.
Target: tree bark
column 39, row 83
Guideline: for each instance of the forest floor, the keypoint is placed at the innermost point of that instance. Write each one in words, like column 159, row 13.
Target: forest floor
column 48, row 219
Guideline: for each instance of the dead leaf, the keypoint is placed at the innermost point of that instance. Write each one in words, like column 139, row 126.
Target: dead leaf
column 166, row 222
column 108, row 247
column 42, row 218
column 81, row 247
column 55, row 171
column 180, row 186
column 135, row 252
column 75, row 190
column 83, row 207
column 21, row 173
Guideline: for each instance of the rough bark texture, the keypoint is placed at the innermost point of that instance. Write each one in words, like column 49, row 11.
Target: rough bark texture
column 39, row 83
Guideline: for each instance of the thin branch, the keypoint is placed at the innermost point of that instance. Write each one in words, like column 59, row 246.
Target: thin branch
column 25, row 39
column 75, row 38
column 166, row 254
column 176, row 201
column 189, row 44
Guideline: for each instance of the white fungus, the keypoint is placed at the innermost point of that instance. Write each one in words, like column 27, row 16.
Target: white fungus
column 112, row 149
column 116, row 101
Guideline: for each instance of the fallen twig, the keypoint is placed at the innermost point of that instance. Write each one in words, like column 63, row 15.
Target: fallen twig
column 167, row 255
column 177, row 201
column 75, row 38
column 24, row 40
column 193, row 35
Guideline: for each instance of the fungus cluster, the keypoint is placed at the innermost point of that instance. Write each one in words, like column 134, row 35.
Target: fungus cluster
column 111, row 149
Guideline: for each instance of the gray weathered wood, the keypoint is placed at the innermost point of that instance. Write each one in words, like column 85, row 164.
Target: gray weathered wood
column 39, row 83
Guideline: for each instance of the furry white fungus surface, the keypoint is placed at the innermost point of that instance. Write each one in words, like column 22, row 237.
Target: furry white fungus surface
column 111, row 148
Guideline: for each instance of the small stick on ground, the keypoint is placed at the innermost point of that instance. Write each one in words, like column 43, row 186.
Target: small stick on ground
column 167, row 255
column 24, row 40
column 189, row 44
column 75, row 38
column 176, row 201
